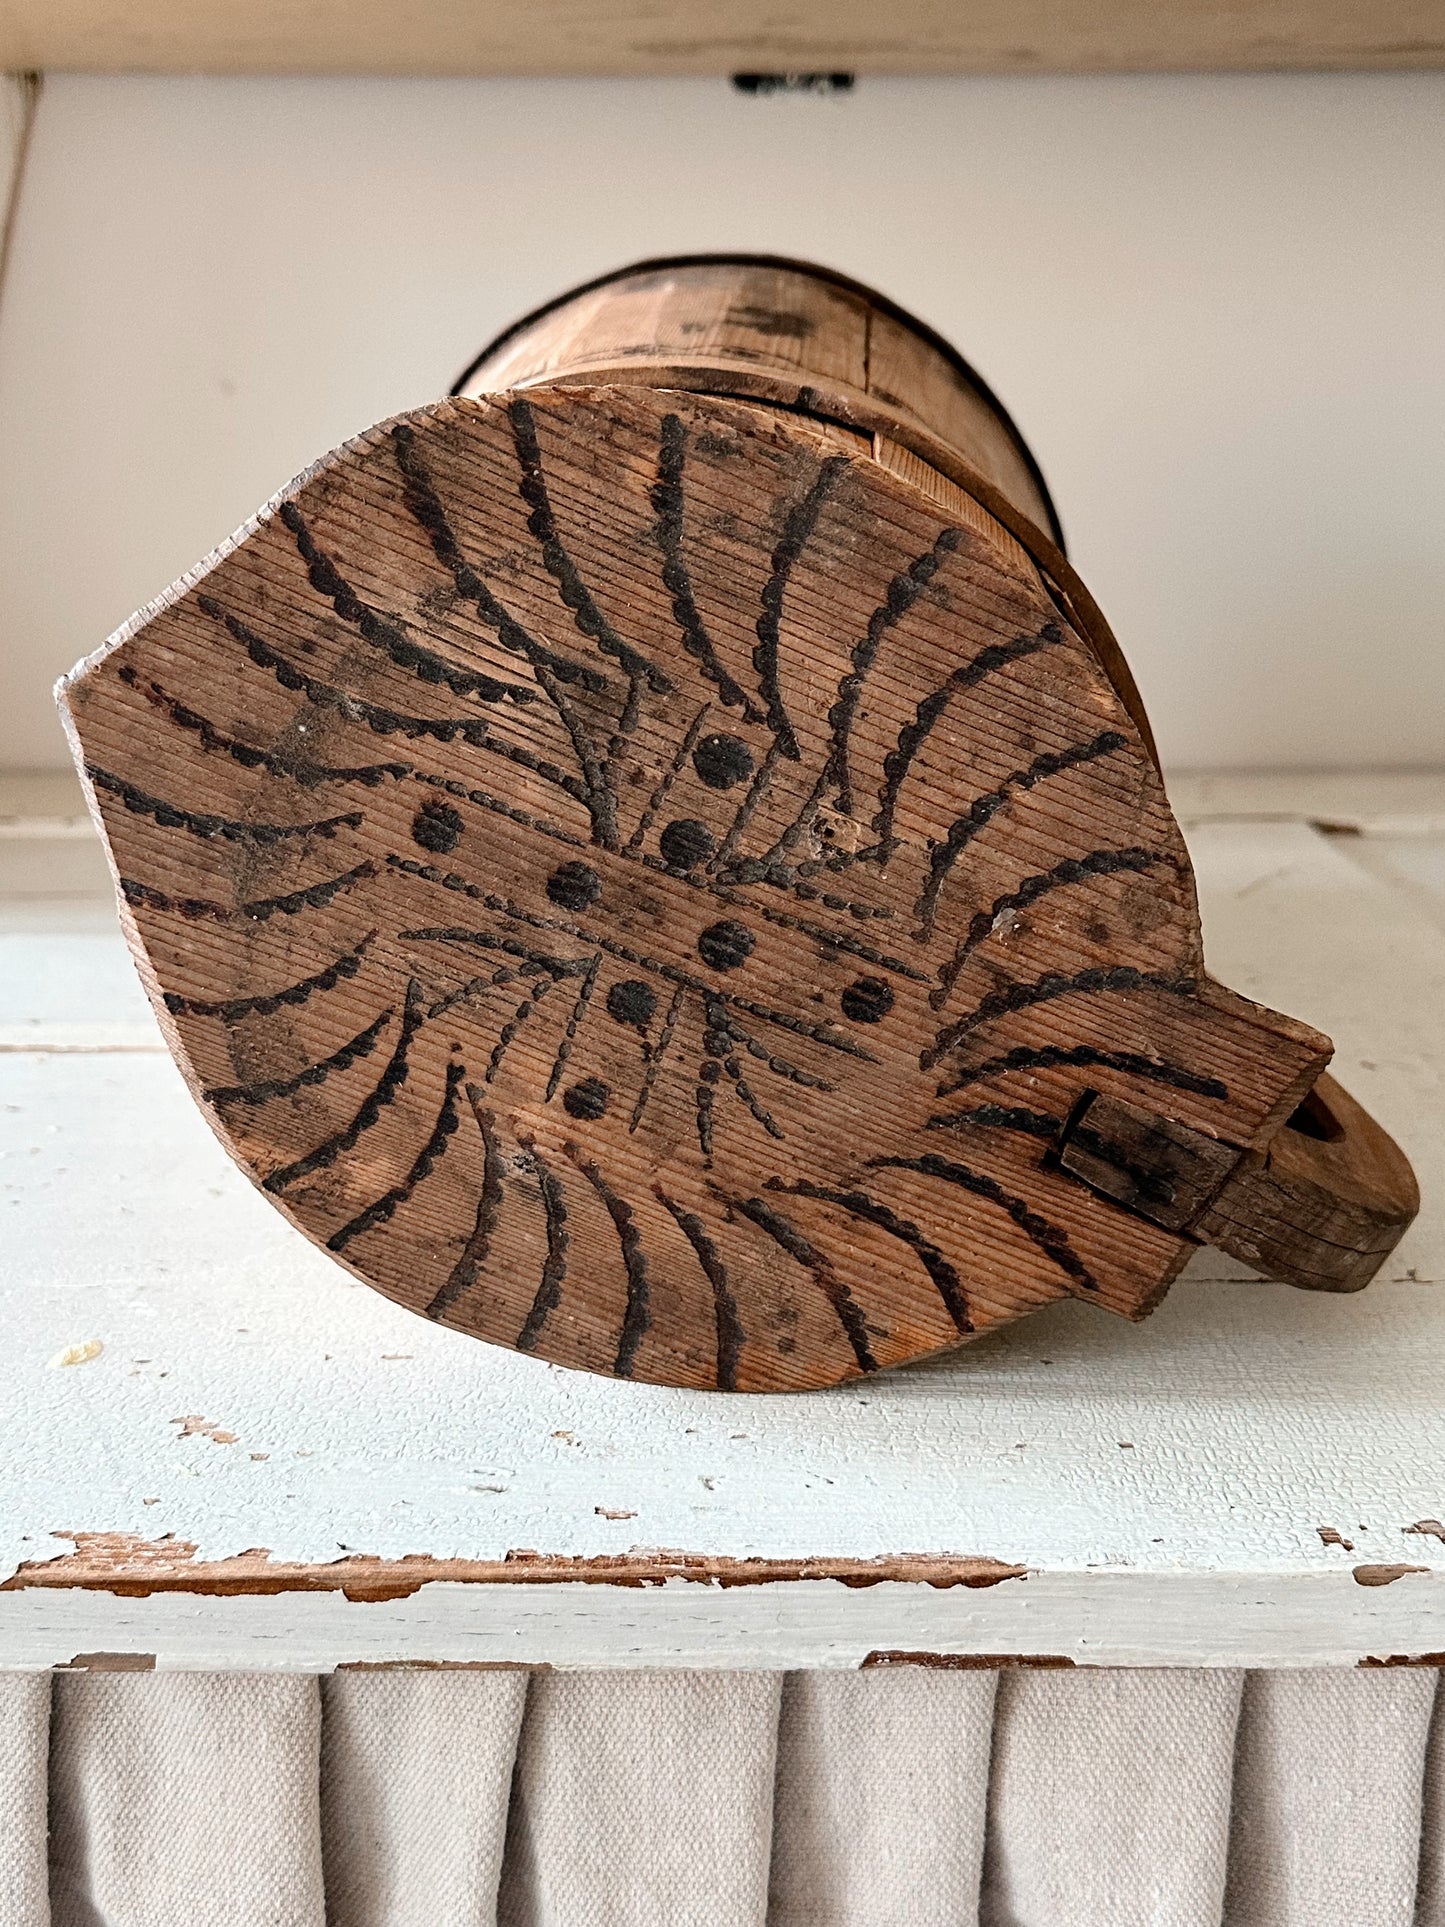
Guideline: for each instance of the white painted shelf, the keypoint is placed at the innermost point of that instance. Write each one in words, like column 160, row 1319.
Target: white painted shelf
column 1241, row 1480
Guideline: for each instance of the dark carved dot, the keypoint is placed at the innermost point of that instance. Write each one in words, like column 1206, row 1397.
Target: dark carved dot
column 725, row 945
column 437, row 827
column 574, row 885
column 868, row 1000
column 723, row 761
column 587, row 1100
column 686, row 843
column 632, row 1003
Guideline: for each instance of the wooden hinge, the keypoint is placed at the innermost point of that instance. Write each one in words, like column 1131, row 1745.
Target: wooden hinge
column 1320, row 1206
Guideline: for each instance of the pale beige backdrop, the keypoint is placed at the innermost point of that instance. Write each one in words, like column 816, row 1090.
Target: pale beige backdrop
column 906, row 1798
column 1215, row 305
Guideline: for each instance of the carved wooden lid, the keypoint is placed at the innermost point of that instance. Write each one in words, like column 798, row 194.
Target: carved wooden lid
column 649, row 879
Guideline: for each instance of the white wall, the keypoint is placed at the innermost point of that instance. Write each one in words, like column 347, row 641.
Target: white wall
column 1216, row 306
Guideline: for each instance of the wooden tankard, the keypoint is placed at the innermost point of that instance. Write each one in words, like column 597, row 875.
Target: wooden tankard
column 659, row 862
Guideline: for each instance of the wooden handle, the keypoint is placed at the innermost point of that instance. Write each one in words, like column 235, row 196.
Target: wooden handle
column 1323, row 1205
column 1320, row 1206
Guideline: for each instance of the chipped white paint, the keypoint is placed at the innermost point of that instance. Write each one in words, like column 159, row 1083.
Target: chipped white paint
column 80, row 1354
column 1165, row 1485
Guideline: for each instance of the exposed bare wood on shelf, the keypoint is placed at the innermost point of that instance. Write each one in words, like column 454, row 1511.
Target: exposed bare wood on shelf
column 685, row 37
column 134, row 1568
column 657, row 879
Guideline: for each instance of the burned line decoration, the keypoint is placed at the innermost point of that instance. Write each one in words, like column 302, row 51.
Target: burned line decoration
column 642, row 884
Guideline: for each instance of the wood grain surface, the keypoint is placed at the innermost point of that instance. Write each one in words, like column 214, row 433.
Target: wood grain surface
column 813, row 341
column 681, row 36
column 767, row 316
column 638, row 882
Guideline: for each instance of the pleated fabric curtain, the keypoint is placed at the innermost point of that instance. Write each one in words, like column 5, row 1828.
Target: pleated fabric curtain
column 905, row 1797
